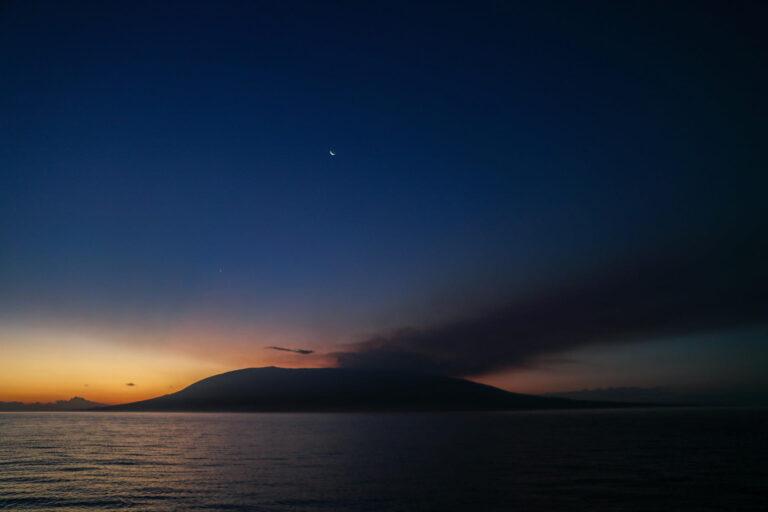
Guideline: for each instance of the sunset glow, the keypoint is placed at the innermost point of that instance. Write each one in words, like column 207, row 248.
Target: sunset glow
column 483, row 193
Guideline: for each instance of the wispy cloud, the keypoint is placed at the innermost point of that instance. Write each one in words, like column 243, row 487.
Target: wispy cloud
column 301, row 351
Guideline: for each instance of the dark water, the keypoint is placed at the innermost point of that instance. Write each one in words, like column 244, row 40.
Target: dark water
column 665, row 460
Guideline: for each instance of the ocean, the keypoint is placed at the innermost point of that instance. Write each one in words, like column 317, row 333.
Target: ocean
column 666, row 459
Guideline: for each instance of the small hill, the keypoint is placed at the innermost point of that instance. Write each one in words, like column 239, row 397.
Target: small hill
column 669, row 397
column 338, row 389
column 73, row 404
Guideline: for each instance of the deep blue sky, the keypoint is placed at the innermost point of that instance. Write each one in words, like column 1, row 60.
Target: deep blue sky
column 167, row 159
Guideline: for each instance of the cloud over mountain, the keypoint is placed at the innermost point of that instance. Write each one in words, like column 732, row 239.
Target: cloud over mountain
column 700, row 288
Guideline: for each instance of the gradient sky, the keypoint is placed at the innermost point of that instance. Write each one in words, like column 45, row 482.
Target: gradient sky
column 169, row 207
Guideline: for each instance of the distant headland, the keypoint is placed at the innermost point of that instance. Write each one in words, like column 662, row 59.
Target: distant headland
column 73, row 404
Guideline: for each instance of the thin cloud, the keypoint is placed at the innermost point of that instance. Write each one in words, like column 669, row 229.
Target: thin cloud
column 130, row 384
column 301, row 351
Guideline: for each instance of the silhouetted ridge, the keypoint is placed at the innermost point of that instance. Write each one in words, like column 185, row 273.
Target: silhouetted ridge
column 329, row 389
column 73, row 404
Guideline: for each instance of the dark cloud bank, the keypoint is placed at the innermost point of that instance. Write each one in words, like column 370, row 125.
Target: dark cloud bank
column 702, row 288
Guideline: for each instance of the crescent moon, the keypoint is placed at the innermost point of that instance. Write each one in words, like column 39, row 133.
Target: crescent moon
column 332, row 152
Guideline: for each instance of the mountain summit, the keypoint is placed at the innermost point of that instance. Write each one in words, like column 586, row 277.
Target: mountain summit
column 338, row 389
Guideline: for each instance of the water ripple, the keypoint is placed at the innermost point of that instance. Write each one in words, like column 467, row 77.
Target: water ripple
column 682, row 460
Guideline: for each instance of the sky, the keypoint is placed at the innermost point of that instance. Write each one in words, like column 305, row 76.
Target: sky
column 537, row 195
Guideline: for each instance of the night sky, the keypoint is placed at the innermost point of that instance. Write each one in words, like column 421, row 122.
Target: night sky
column 539, row 195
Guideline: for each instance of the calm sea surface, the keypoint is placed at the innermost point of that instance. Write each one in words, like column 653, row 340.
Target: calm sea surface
column 650, row 460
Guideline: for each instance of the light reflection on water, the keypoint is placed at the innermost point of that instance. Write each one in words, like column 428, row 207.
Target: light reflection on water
column 665, row 459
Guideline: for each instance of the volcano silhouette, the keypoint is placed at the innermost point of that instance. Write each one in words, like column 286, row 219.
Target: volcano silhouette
column 339, row 389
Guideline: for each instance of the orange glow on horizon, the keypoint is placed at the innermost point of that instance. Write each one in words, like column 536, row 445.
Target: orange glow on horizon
column 45, row 365
column 50, row 364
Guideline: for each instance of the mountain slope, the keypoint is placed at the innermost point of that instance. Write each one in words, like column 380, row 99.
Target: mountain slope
column 330, row 389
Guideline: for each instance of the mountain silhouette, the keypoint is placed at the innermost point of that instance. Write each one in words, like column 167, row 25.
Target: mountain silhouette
column 73, row 404
column 666, row 396
column 339, row 389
